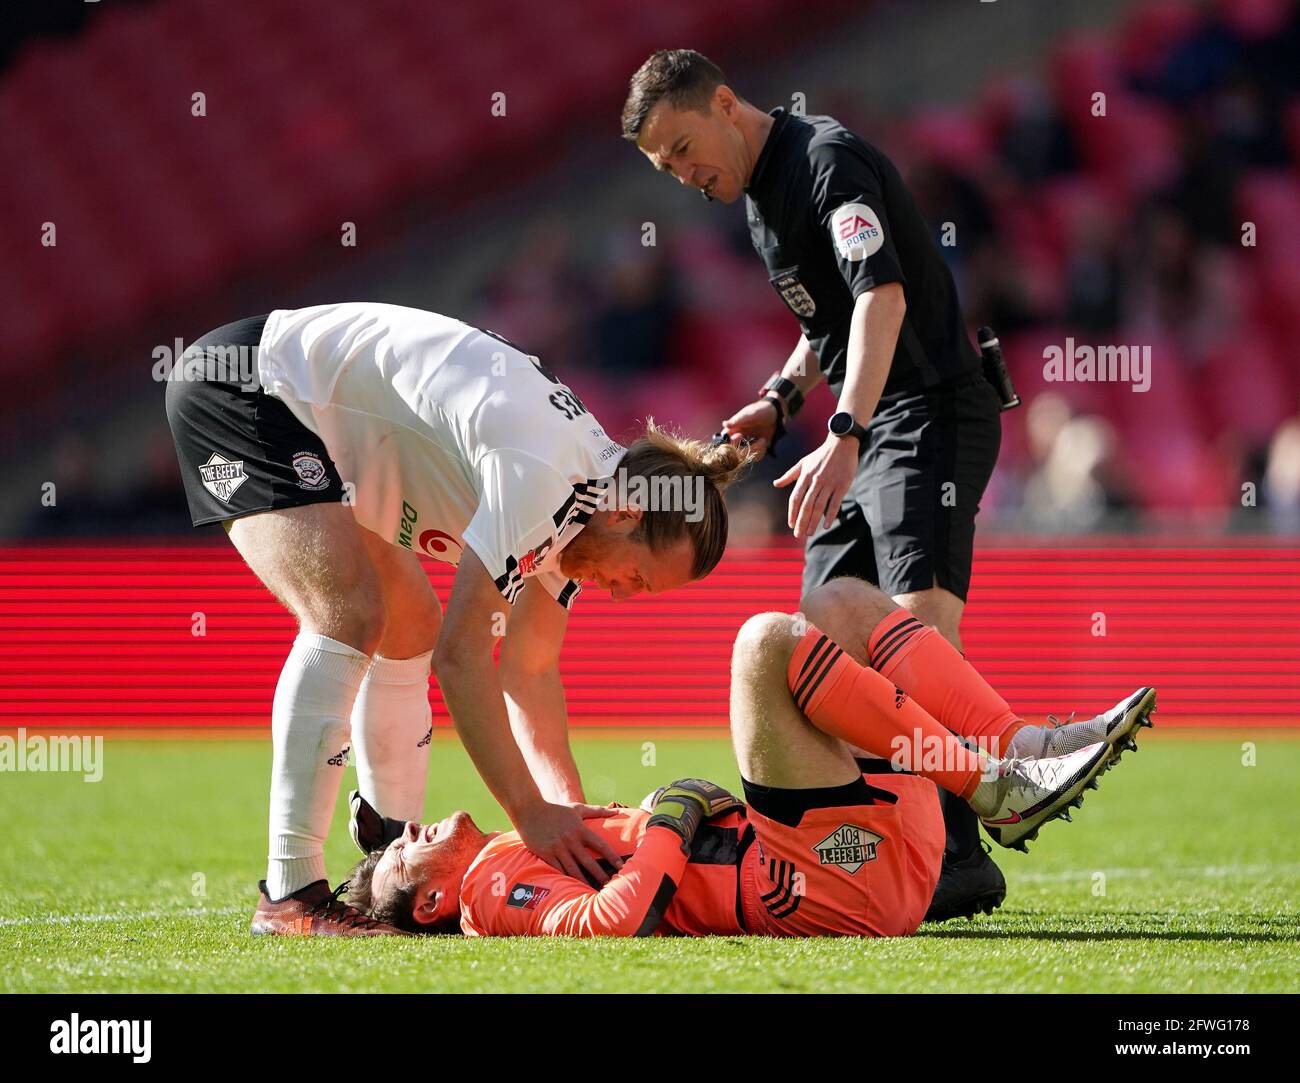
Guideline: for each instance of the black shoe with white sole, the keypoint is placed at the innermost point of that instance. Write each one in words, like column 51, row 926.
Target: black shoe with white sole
column 967, row 886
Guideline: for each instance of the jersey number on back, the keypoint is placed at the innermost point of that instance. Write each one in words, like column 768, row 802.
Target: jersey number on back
column 563, row 399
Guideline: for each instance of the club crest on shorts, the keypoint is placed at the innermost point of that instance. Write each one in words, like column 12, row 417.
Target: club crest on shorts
column 526, row 896
column 848, row 847
column 222, row 476
column 310, row 470
column 796, row 295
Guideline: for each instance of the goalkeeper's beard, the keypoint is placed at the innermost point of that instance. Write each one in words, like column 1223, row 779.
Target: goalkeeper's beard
column 448, row 858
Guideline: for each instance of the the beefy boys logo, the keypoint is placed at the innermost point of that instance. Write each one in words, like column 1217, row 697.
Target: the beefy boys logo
column 848, row 847
column 855, row 228
column 221, row 477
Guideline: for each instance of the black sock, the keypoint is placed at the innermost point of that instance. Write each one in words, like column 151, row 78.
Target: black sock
column 961, row 824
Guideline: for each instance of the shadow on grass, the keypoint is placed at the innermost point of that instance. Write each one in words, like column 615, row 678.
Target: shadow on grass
column 1287, row 930
column 1118, row 934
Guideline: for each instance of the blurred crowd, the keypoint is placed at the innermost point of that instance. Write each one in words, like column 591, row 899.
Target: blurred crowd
column 1118, row 226
column 1124, row 227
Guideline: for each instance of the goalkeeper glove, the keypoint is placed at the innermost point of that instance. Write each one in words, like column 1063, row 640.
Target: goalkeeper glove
column 687, row 803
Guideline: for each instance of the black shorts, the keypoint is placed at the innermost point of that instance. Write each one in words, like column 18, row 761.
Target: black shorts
column 240, row 450
column 908, row 520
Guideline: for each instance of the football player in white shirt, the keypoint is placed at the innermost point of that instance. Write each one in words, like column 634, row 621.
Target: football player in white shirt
column 334, row 443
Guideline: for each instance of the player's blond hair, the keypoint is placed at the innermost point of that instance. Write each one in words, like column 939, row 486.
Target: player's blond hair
column 659, row 453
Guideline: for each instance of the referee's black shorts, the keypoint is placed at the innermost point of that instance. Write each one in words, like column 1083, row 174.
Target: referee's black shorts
column 908, row 521
column 241, row 450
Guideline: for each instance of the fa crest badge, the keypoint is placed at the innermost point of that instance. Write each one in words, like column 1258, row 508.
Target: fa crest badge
column 796, row 295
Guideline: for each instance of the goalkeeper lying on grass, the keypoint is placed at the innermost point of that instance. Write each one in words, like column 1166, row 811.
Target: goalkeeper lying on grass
column 830, row 840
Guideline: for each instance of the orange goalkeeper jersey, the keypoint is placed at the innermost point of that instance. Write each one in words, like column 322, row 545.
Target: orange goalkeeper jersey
column 864, row 868
column 509, row 891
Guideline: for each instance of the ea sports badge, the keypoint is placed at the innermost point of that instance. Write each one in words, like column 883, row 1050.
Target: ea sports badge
column 856, row 231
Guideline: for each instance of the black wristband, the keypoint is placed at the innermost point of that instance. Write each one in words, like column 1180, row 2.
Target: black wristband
column 785, row 390
column 779, row 430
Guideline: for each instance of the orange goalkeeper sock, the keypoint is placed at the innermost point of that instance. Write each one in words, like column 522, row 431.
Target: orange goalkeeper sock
column 860, row 706
column 934, row 673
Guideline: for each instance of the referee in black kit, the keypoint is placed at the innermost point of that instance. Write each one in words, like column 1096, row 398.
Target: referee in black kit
column 891, row 495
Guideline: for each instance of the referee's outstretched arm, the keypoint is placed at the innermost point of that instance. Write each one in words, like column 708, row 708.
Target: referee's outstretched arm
column 756, row 421
column 822, row 477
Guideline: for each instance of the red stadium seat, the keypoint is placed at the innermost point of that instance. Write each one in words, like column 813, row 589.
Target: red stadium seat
column 1153, row 30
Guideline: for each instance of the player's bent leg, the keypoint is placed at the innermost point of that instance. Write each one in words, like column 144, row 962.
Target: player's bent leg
column 314, row 560
column 849, row 610
column 938, row 608
column 876, row 632
column 392, row 722
column 1013, row 797
column 1036, row 790
column 817, row 820
column 775, row 744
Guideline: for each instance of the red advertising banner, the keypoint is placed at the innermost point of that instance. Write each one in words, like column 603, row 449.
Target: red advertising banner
column 183, row 635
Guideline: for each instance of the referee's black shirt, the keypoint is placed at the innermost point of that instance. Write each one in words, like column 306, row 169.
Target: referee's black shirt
column 830, row 217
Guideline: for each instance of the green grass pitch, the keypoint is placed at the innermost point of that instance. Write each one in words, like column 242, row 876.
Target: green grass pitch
column 1180, row 874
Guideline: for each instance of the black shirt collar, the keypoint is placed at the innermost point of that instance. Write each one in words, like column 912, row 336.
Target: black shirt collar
column 761, row 167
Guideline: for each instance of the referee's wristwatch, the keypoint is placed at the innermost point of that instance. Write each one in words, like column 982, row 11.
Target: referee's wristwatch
column 841, row 424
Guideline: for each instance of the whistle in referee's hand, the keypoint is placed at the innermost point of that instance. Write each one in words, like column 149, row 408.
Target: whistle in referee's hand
column 995, row 368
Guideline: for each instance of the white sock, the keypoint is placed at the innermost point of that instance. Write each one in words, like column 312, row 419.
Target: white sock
column 392, row 727
column 310, row 734
column 990, row 791
column 1029, row 742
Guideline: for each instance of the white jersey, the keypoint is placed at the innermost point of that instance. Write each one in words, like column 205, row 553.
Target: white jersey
column 444, row 435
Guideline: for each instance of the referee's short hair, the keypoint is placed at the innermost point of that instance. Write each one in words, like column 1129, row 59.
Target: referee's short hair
column 683, row 76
